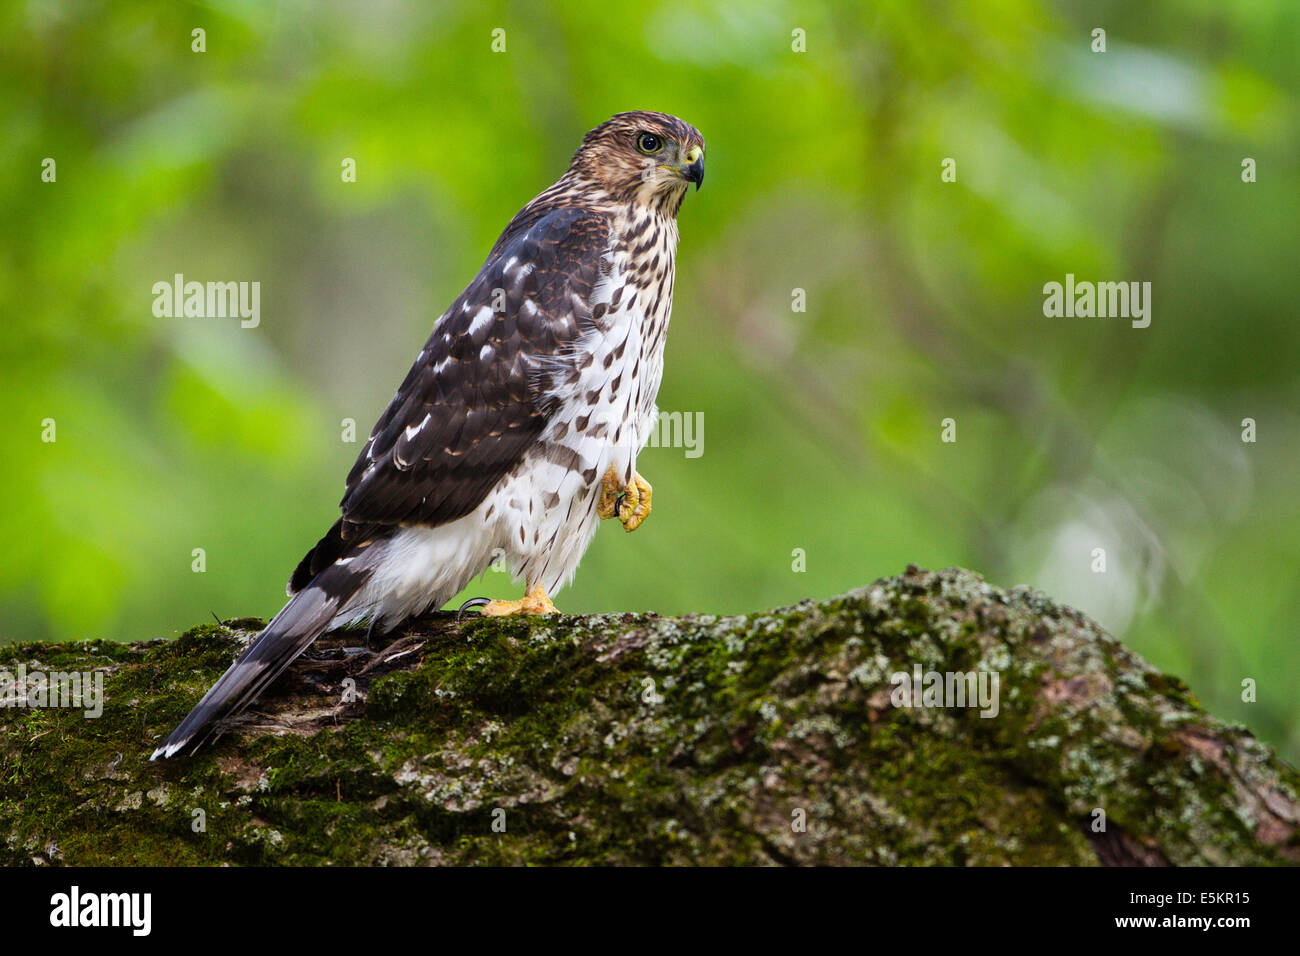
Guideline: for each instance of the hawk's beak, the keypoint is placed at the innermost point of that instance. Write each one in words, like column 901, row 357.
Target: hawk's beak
column 693, row 169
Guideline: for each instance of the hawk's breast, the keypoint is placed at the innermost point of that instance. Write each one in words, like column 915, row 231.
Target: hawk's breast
column 601, row 395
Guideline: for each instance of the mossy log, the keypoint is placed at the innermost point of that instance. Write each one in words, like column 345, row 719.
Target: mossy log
column 772, row 738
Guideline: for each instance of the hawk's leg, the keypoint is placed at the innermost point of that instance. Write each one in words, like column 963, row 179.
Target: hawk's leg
column 534, row 602
column 629, row 503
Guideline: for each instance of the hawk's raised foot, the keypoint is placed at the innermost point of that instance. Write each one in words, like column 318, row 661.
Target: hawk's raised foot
column 535, row 601
column 629, row 503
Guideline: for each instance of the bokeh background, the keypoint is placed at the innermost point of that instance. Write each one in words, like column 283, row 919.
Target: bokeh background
column 821, row 427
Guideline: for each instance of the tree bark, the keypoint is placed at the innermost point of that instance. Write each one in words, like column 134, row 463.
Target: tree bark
column 772, row 738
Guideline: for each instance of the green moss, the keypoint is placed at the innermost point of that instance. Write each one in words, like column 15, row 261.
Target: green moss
column 639, row 739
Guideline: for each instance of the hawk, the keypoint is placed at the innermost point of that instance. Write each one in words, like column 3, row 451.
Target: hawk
column 518, row 427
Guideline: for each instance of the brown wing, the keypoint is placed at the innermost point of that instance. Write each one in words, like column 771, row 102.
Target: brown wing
column 468, row 409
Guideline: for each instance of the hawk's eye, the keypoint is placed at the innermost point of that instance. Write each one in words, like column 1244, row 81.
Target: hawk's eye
column 649, row 143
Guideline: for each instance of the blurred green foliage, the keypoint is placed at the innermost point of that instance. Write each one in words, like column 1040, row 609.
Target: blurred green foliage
column 822, row 427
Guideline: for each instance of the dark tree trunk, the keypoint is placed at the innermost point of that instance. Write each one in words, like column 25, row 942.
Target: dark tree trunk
column 768, row 738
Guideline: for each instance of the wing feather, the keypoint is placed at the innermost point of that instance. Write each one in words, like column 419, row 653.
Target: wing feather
column 472, row 403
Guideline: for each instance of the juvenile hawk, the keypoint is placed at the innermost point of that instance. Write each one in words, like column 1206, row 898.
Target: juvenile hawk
column 520, row 422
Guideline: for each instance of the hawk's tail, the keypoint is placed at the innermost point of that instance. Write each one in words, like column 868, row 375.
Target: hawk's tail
column 307, row 615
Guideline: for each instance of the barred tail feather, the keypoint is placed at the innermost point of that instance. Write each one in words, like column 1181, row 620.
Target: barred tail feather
column 299, row 623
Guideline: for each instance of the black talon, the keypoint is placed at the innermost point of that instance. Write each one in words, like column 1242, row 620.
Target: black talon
column 472, row 602
column 618, row 506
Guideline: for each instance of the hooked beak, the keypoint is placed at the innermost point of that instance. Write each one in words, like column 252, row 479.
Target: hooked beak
column 693, row 169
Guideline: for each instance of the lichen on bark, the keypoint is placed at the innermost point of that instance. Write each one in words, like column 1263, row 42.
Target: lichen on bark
column 758, row 739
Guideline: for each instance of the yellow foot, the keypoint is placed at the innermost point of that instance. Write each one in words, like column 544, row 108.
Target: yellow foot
column 534, row 602
column 610, row 489
column 629, row 503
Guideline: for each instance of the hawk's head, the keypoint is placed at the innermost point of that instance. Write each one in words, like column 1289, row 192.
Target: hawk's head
column 642, row 157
